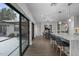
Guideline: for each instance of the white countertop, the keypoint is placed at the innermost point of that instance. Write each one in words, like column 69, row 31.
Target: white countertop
column 74, row 39
column 67, row 36
column 75, row 48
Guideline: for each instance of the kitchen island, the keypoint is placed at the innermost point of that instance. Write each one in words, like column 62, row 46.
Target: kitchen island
column 67, row 36
column 73, row 41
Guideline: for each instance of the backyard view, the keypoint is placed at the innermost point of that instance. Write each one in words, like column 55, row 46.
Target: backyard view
column 9, row 31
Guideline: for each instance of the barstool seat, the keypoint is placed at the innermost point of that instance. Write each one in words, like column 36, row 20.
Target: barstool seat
column 61, row 44
column 52, row 40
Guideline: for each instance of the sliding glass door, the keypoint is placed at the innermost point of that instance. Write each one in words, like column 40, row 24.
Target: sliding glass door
column 9, row 31
column 14, row 31
column 24, row 34
column 32, row 31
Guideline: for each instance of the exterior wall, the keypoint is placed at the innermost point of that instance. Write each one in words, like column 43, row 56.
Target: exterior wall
column 10, row 29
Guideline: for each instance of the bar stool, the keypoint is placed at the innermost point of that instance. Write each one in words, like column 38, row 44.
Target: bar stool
column 65, row 45
column 52, row 40
column 61, row 44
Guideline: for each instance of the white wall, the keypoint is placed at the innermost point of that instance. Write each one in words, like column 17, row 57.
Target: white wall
column 30, row 35
column 37, row 30
column 54, row 26
column 71, row 26
column 76, row 21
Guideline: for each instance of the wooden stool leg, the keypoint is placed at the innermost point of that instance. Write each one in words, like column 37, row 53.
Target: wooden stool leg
column 61, row 49
column 50, row 40
column 53, row 42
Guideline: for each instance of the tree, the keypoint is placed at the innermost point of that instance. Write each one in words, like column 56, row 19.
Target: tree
column 7, row 14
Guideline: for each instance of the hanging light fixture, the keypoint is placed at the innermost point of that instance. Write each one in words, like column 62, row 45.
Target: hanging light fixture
column 59, row 14
column 60, row 22
column 69, row 4
column 69, row 20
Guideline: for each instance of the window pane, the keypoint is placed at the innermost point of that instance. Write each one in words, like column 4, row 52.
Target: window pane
column 24, row 28
column 9, row 31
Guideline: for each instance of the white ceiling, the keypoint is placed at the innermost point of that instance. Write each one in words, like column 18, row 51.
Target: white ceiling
column 44, row 12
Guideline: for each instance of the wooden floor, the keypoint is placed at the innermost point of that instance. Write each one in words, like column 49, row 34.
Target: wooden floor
column 41, row 47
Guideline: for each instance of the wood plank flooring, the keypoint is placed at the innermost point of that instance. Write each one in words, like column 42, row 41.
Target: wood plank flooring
column 41, row 47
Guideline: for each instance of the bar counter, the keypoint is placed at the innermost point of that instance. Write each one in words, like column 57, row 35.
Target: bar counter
column 73, row 41
column 67, row 36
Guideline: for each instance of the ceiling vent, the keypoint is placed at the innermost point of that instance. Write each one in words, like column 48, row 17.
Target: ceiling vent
column 59, row 11
column 69, row 4
column 53, row 4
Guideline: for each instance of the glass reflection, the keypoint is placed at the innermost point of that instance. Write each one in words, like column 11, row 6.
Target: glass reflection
column 9, row 31
column 24, row 29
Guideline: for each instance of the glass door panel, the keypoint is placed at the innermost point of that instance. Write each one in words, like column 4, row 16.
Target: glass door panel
column 24, row 33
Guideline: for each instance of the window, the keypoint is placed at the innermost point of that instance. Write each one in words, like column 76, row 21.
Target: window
column 14, row 31
column 24, row 32
column 9, row 31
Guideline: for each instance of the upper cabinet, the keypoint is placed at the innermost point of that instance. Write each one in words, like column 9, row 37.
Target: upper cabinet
column 76, row 21
column 76, row 24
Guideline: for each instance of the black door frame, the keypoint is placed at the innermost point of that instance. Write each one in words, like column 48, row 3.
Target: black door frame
column 32, row 31
column 22, row 53
column 20, row 32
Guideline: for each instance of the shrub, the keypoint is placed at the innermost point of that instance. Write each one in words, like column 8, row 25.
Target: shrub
column 11, row 35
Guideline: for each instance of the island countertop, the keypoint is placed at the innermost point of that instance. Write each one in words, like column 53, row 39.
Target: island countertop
column 74, row 39
column 67, row 36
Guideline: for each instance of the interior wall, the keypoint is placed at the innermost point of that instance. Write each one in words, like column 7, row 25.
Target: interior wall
column 71, row 25
column 54, row 26
column 37, row 30
column 30, row 35
column 76, row 21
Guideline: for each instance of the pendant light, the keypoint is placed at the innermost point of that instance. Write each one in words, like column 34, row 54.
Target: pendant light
column 69, row 4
